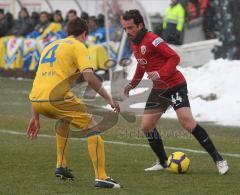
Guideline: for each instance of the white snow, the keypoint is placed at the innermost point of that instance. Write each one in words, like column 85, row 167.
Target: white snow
column 219, row 77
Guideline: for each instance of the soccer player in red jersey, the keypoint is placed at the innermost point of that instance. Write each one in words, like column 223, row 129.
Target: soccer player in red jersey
column 159, row 61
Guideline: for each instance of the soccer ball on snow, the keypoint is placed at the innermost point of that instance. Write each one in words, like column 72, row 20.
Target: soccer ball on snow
column 178, row 162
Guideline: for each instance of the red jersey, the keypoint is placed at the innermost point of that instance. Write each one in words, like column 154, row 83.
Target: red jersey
column 153, row 54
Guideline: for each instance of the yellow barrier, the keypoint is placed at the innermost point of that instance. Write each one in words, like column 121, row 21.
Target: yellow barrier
column 22, row 53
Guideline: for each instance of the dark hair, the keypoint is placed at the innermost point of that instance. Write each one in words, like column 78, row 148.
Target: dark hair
column 1, row 11
column 25, row 10
column 94, row 19
column 77, row 26
column 135, row 15
column 73, row 11
column 58, row 12
column 85, row 16
column 35, row 16
column 101, row 20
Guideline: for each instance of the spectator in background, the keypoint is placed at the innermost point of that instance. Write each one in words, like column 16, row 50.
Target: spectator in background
column 44, row 22
column 210, row 21
column 101, row 20
column 35, row 18
column 1, row 14
column 24, row 25
column 173, row 23
column 85, row 16
column 6, row 23
column 10, row 22
column 3, row 23
column 197, row 6
column 92, row 26
column 71, row 15
column 45, row 26
column 57, row 17
column 96, row 31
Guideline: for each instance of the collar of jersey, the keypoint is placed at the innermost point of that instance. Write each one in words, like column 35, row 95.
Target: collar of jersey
column 140, row 36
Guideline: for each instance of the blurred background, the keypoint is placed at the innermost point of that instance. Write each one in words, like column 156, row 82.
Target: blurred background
column 201, row 30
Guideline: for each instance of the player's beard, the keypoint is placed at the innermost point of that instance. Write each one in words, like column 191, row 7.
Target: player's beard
column 130, row 37
column 138, row 38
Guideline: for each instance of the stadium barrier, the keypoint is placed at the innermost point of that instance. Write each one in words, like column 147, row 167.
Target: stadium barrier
column 20, row 56
column 196, row 54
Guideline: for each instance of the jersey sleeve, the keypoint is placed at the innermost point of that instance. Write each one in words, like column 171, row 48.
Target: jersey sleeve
column 172, row 57
column 83, row 58
column 139, row 72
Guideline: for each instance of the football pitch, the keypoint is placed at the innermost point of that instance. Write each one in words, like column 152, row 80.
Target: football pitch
column 27, row 167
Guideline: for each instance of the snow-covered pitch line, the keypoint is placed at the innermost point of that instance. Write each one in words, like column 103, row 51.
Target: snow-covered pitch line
column 3, row 131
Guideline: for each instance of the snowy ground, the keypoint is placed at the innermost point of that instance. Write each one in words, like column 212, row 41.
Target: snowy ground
column 218, row 77
column 218, row 80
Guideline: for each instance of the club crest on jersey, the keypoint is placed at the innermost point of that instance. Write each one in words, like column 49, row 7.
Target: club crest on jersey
column 157, row 41
column 143, row 49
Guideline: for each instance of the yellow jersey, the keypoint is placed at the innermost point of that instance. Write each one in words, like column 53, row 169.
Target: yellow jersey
column 52, row 27
column 59, row 66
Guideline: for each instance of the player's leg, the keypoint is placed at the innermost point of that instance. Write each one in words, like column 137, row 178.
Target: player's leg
column 182, row 107
column 156, row 105
column 148, row 126
column 97, row 155
column 62, row 132
column 187, row 122
column 88, row 128
column 65, row 112
column 74, row 112
column 79, row 118
column 96, row 151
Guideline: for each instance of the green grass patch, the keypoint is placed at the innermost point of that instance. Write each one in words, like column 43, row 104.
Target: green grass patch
column 27, row 167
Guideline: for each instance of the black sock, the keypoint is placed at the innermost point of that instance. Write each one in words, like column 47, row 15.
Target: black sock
column 201, row 135
column 156, row 144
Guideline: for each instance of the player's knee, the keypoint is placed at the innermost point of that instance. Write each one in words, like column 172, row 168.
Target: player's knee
column 95, row 139
column 146, row 127
column 187, row 123
column 98, row 138
column 62, row 128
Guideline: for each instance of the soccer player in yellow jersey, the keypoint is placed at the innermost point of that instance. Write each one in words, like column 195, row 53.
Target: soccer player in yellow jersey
column 51, row 96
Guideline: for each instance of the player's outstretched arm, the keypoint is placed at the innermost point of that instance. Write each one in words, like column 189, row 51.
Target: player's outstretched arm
column 127, row 89
column 139, row 72
column 34, row 125
column 96, row 84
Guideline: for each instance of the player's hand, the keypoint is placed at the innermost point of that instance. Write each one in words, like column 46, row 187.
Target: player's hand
column 115, row 106
column 33, row 128
column 153, row 75
column 127, row 89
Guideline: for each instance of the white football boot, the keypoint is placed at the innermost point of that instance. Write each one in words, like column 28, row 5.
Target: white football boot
column 222, row 166
column 155, row 167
